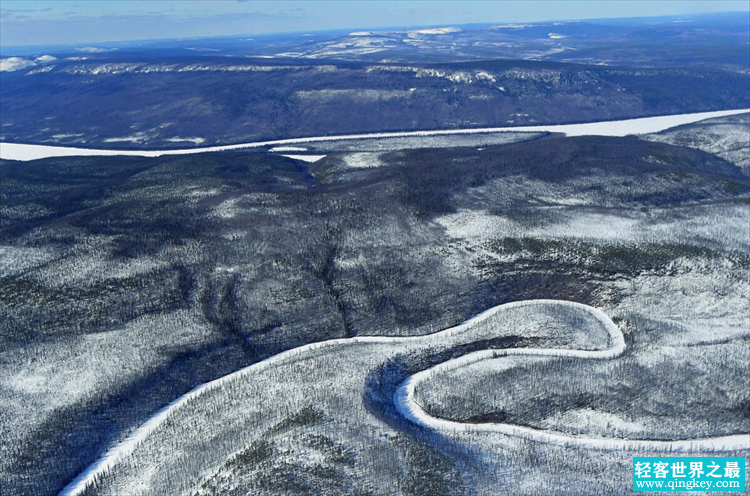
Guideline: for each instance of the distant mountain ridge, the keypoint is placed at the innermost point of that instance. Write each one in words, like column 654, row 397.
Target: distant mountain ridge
column 173, row 102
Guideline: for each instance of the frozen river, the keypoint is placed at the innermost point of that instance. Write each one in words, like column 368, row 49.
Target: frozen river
column 17, row 151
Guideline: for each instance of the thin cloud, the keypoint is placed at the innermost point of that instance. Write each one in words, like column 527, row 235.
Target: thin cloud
column 13, row 11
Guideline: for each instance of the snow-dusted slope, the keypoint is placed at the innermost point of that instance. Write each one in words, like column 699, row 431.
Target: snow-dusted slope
column 17, row 151
column 727, row 137
column 409, row 408
column 231, row 411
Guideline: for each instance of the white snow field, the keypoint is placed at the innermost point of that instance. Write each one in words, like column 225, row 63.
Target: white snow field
column 190, row 439
column 306, row 158
column 645, row 125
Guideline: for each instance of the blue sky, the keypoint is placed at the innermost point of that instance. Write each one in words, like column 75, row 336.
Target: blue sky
column 81, row 21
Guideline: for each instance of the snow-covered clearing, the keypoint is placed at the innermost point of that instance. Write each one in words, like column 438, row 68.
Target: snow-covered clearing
column 18, row 151
column 364, row 160
column 251, row 396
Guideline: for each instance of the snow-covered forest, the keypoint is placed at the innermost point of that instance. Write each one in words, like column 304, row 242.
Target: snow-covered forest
column 128, row 281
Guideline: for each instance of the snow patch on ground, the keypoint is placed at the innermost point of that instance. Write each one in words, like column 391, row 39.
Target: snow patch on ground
column 469, row 225
column 605, row 421
column 227, row 209
column 306, row 158
column 195, row 140
column 570, row 223
column 135, row 138
column 365, row 160
column 16, row 259
column 66, row 136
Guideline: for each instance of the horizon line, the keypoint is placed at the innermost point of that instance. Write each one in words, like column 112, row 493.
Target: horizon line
column 375, row 29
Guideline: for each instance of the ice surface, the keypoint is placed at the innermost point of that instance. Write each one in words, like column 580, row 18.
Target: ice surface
column 17, row 151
